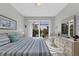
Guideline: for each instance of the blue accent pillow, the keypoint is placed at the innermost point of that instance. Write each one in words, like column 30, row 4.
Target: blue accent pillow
column 14, row 37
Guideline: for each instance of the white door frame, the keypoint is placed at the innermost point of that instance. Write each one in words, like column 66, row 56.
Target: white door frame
column 39, row 29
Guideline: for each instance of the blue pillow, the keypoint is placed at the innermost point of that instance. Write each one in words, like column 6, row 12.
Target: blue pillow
column 14, row 37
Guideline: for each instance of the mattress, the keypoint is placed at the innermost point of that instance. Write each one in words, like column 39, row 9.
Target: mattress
column 25, row 47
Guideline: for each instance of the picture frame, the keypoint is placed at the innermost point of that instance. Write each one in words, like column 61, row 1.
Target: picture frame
column 7, row 23
column 70, row 26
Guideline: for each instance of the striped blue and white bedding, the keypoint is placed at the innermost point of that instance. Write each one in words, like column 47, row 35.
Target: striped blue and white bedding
column 25, row 47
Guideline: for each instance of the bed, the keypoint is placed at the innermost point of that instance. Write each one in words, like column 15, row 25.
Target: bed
column 23, row 47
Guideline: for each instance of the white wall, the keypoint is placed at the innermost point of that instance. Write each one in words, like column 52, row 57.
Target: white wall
column 28, row 30
column 77, row 24
column 7, row 10
column 69, row 10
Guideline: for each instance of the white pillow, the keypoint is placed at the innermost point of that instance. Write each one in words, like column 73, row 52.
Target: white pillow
column 4, row 39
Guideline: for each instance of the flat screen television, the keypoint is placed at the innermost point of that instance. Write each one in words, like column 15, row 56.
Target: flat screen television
column 64, row 29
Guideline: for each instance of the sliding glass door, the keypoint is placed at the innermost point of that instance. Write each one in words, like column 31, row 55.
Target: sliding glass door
column 40, row 29
column 35, row 31
column 44, row 30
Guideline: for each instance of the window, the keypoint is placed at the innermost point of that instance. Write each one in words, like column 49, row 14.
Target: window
column 35, row 30
column 40, row 29
column 44, row 30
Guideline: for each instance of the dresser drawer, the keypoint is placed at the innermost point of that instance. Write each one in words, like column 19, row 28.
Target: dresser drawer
column 68, row 49
column 67, row 52
column 68, row 44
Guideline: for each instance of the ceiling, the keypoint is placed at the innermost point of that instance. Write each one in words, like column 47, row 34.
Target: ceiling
column 45, row 9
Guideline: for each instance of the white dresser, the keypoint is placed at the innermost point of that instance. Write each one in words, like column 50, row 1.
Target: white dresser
column 67, row 45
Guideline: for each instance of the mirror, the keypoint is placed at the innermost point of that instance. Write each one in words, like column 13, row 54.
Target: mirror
column 68, row 27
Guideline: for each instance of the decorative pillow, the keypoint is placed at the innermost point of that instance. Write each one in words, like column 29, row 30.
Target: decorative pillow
column 4, row 39
column 14, row 37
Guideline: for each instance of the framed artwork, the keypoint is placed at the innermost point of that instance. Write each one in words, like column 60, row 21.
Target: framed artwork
column 7, row 23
